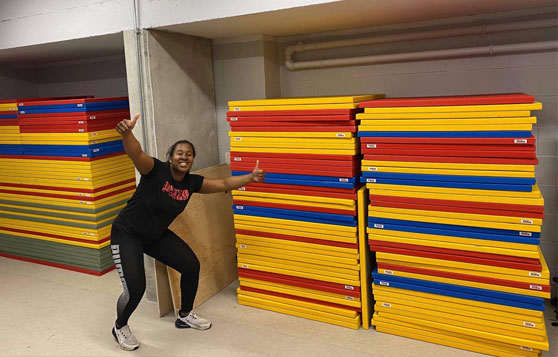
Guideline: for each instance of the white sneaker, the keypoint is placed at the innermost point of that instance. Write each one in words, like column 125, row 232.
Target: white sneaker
column 125, row 338
column 192, row 320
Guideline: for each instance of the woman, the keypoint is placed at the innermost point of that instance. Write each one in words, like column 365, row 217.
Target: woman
column 142, row 227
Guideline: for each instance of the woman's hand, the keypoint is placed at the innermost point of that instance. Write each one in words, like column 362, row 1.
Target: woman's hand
column 258, row 175
column 126, row 125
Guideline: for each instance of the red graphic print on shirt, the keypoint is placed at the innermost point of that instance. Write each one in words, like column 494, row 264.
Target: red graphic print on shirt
column 175, row 193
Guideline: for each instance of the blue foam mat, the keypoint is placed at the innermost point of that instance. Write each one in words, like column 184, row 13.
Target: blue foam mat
column 458, row 178
column 451, row 227
column 10, row 150
column 502, row 298
column 76, row 105
column 292, row 212
column 73, row 110
column 452, row 233
column 311, row 183
column 451, row 184
column 446, row 134
column 295, row 218
column 74, row 150
column 8, row 116
column 303, row 177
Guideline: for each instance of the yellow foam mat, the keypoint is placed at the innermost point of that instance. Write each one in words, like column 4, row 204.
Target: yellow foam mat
column 285, row 269
column 69, row 194
column 241, row 194
column 299, row 312
column 8, row 129
column 309, row 226
column 456, row 108
column 73, row 232
column 294, row 107
column 88, row 217
column 451, row 116
column 317, row 258
column 458, row 222
column 26, row 216
column 291, row 134
column 68, row 141
column 288, row 263
column 71, row 199
column 464, row 127
column 449, row 165
column 493, row 309
column 454, row 318
column 460, row 215
column 93, row 244
column 506, row 289
column 318, row 307
column 71, row 203
column 92, row 135
column 377, row 235
column 527, row 340
column 349, row 208
column 88, row 185
column 122, row 173
column 428, row 122
column 248, row 139
column 391, row 297
column 436, row 264
column 279, row 229
column 470, row 266
column 460, row 195
column 305, row 100
column 462, row 172
column 322, row 249
column 8, row 107
column 300, row 291
column 66, row 164
column 454, row 340
column 364, row 250
column 301, row 151
column 288, row 145
column 521, row 249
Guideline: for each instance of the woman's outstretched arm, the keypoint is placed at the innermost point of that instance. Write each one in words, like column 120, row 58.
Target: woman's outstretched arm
column 232, row 182
column 143, row 162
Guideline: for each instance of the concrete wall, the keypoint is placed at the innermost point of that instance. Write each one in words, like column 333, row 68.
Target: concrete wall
column 17, row 83
column 88, row 18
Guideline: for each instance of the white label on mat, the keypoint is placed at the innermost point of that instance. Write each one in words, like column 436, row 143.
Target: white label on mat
column 245, row 266
column 349, row 287
column 386, row 304
column 237, row 159
column 340, row 135
column 238, row 139
column 234, row 119
column 535, row 274
column 243, row 246
column 81, row 130
column 384, row 283
column 528, row 324
column 242, row 188
column 388, row 272
column 527, row 221
column 80, row 105
column 372, row 169
column 377, row 225
column 520, row 141
column 370, row 146
column 95, row 150
column 343, row 180
column 81, row 122
column 93, row 134
column 535, row 287
column 349, row 298
column 92, row 117
column 83, row 155
column 236, row 109
column 525, row 234
column 240, row 207
column 526, row 348
column 371, row 180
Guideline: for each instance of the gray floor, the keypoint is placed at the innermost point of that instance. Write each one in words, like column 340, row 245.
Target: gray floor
column 53, row 312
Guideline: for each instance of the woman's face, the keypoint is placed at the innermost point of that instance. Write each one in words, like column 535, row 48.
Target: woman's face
column 182, row 158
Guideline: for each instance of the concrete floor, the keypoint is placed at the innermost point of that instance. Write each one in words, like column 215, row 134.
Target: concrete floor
column 53, row 312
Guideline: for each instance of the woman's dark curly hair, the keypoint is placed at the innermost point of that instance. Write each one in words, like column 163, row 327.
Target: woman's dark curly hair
column 173, row 146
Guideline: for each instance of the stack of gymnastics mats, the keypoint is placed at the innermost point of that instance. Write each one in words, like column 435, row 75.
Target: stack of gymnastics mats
column 59, row 196
column 455, row 218
column 296, row 233
column 10, row 140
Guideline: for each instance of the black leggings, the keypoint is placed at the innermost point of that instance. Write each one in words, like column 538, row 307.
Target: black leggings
column 127, row 253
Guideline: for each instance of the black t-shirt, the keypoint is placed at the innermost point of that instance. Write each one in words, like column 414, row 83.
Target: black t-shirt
column 156, row 203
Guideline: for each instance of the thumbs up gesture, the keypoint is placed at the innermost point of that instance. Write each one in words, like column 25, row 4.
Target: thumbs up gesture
column 126, row 125
column 258, row 175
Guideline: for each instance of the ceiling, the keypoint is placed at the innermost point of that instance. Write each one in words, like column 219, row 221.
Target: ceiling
column 340, row 15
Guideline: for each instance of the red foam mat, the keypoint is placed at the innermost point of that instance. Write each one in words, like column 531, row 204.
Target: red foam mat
column 453, row 255
column 77, row 118
column 296, row 238
column 238, row 125
column 65, row 128
column 442, row 159
column 382, row 201
column 25, row 101
column 74, row 114
column 480, row 99
column 259, row 156
column 450, row 141
column 64, row 158
column 68, row 189
column 524, row 209
column 462, row 152
column 302, row 190
column 251, row 160
column 478, row 279
column 68, row 197
column 293, row 113
column 301, row 282
column 299, row 170
column 304, row 129
column 272, row 293
column 9, row 122
column 295, row 207
column 70, row 100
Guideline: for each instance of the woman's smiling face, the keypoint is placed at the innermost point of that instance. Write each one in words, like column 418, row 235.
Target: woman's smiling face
column 182, row 158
